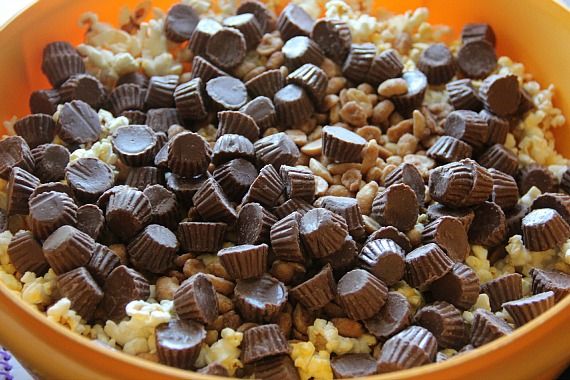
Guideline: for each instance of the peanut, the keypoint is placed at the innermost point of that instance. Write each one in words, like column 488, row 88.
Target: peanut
column 246, row 326
column 298, row 137
column 308, row 126
column 275, row 60
column 382, row 112
column 366, row 88
column 369, row 155
column 331, row 68
column 335, row 84
column 351, row 179
column 287, row 272
column 370, row 132
column 165, row 288
column 253, row 73
column 334, row 114
column 329, row 101
column 341, row 168
column 321, row 186
column 221, row 285
column 407, row 144
column 365, row 197
column 225, row 304
column 332, row 310
column 211, row 337
column 370, row 225
column 285, row 323
column 269, row 44
column 395, row 118
column 387, row 170
column 338, row 191
column 319, row 169
column 314, row 148
column 383, row 152
column 394, row 160
column 419, row 124
column 423, row 163
column 353, row 113
column 396, row 131
column 180, row 260
column 231, row 319
column 121, row 251
column 348, row 327
column 148, row 356
column 175, row 129
column 244, row 68
column 315, row 134
column 374, row 174
column 193, row 266
column 393, row 87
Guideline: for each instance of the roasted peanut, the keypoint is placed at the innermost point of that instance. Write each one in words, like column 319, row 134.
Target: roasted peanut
column 374, row 174
column 396, row 131
column 370, row 132
column 319, row 169
column 221, row 285
column 193, row 266
column 392, row 87
column 175, row 129
column 351, row 179
column 419, row 124
column 287, row 272
column 365, row 197
column 329, row 101
column 269, row 44
column 335, row 84
column 321, row 186
column 253, row 73
column 165, row 288
column 331, row 68
column 121, row 251
column 180, row 260
column 298, row 137
column 246, row 326
column 225, row 304
column 382, row 111
column 148, row 356
column 341, row 168
column 332, row 310
column 366, row 88
column 353, row 113
column 338, row 191
column 370, row 225
column 314, row 148
column 285, row 323
column 348, row 327
column 211, row 337
column 407, row 144
column 369, row 155
column 334, row 114
column 275, row 60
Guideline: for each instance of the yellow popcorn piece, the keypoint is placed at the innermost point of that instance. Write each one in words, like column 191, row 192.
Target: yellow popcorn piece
column 311, row 364
column 225, row 351
column 324, row 336
column 527, row 199
column 60, row 312
column 413, row 295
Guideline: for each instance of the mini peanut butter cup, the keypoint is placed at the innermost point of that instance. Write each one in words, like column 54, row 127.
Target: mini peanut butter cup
column 498, row 128
column 426, row 264
column 264, row 341
column 127, row 97
column 317, row 291
column 476, row 59
column 160, row 119
column 342, row 259
column 565, row 181
column 143, row 176
column 500, row 158
column 266, row 84
column 482, row 184
column 254, row 224
column 102, row 263
column 180, row 22
column 60, row 67
column 358, row 62
column 347, row 208
column 334, row 38
column 462, row 95
column 79, row 123
column 58, row 47
column 459, row 287
column 51, row 186
column 127, row 213
column 550, row 280
column 361, row 294
column 203, row 69
column 323, row 232
column 26, row 254
column 539, row 176
column 449, row 233
column 285, row 239
column 465, row 215
column 444, row 321
column 260, row 299
column 189, row 99
column 300, row 50
column 49, row 211
column 178, row 342
column 487, row 327
column 226, row 93
column 505, row 190
column 44, row 101
column 36, row 129
column 195, row 299
column 413, row 99
column 386, row 65
column 293, row 105
column 447, row 149
column 243, row 262
column 342, row 145
column 392, row 233
column 313, row 79
column 410, row 348
column 556, row 201
column 160, row 91
column 276, row 368
column 395, row 315
column 21, row 185
column 353, row 365
column 189, row 154
column 122, row 286
column 544, row 229
column 134, row 116
column 299, row 182
column 136, row 145
column 153, row 249
column 384, row 259
column 410, row 175
column 294, row 21
column 184, row 187
column 437, row 63
column 81, row 289
column 226, row 48
column 450, row 184
column 135, row 77
column 489, row 225
column 88, row 178
column 247, row 24
column 229, row 147
column 216, row 369
column 201, row 236
column 15, row 152
column 396, row 206
column 238, row 123
column 235, row 177
column 264, row 17
column 467, row 126
column 267, row 188
column 277, row 149
column 68, row 248
column 526, row 309
column 51, row 161
column 291, row 205
column 262, row 111
column 200, row 36
column 84, row 87
column 212, row 204
column 501, row 94
column 477, row 32
column 503, row 289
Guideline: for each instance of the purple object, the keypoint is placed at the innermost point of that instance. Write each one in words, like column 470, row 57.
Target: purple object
column 5, row 366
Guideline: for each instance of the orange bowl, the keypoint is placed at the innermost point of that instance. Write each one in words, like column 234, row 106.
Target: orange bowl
column 536, row 32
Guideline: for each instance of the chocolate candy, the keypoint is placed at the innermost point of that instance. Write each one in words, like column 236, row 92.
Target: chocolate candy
column 437, row 63
column 127, row 213
column 409, row 175
column 277, row 149
column 500, row 158
column 57, row 47
column 317, row 291
column 526, row 309
column 81, row 289
column 68, row 248
column 342, row 259
column 262, row 111
column 237, row 123
column 463, row 96
column 36, row 129
column 122, row 286
column 556, row 201
column 160, row 119
column 230, row 146
column 358, row 62
column 549, row 280
column 26, row 254
column 448, row 149
column 301, row 50
column 333, row 36
column 323, row 232
column 134, row 116
column 505, row 190
column 136, row 145
column 61, row 66
column 396, row 206
column 267, row 189
column 291, row 205
column 411, row 100
column 264, row 17
column 294, row 21
column 226, row 93
column 347, row 208
column 276, row 368
column 254, row 224
column 235, row 177
column 503, row 289
column 88, row 178
column 353, row 365
column 489, row 225
column 565, row 181
column 160, row 91
column 501, row 94
column 200, row 36
column 153, row 249
column 51, row 161
column 195, row 299
column 143, row 176
column 384, row 259
column 51, row 186
column 180, row 22
column 15, row 152
column 127, row 97
column 260, row 299
column 396, row 315
column 178, row 342
column 266, row 84
column 426, row 264
column 544, row 229
column 247, row 24
column 299, row 183
column 79, row 123
column 84, row 87
column 264, row 341
column 20, row 186
column 216, row 369
column 243, row 262
column 49, row 211
column 444, row 321
column 188, row 154
column 498, row 128
column 487, row 327
column 135, row 77
column 410, row 348
column 477, row 32
column 189, row 100
column 476, row 59
column 361, row 294
column 184, row 187
column 386, row 65
column 342, row 145
column 459, row 287
column 102, row 263
column 312, row 78
column 448, row 232
column 468, row 126
column 44, row 101
column 391, row 233
column 539, row 176
column 226, row 48
column 292, row 105
column 212, row 204
column 204, row 70
column 285, row 239
column 201, row 236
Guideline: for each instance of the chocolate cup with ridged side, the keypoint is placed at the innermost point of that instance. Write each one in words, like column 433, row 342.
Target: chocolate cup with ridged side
column 487, row 327
column 243, row 262
column 361, row 294
column 81, row 289
column 410, row 348
column 195, row 299
column 445, row 322
column 544, row 229
column 36, row 129
column 317, row 291
column 26, row 254
column 67, row 248
column 525, row 310
column 459, row 287
column 396, row 315
column 49, row 211
column 178, row 342
column 447, row 149
column 426, row 264
column 201, row 236
column 285, row 239
column 263, row 341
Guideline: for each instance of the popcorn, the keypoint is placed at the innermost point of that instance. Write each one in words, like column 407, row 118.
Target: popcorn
column 38, row 290
column 481, row 303
column 60, row 312
column 324, row 335
column 200, row 6
column 413, row 295
column 225, row 351
column 477, row 260
column 532, row 193
column 310, row 363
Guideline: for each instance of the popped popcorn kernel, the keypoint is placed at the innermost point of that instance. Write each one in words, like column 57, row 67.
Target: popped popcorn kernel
column 310, row 363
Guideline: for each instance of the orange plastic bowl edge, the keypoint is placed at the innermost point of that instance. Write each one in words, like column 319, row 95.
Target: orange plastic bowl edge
column 537, row 350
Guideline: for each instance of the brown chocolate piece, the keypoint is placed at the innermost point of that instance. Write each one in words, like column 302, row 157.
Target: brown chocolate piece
column 501, row 94
column 205, row 28
column 88, row 178
column 410, row 348
column 500, row 158
column 468, row 126
column 487, row 327
column 409, row 175
column 226, row 48
column 134, row 116
column 160, row 119
column 426, row 264
column 184, row 187
column 277, row 149
column 189, row 98
column 505, row 190
column 84, row 87
column 291, row 205
column 462, row 95
column 127, row 97
column 565, row 181
column 413, row 99
column 503, row 289
column 317, row 291
column 212, row 204
column 122, row 286
column 51, row 161
column 526, row 309
column 266, row 84
column 449, row 149
column 292, row 105
column 353, row 365
column 300, row 50
column 323, row 232
column 243, row 262
column 163, row 204
column 294, row 21
column 437, row 63
column 14, row 152
column 459, row 287
column 465, row 215
column 285, row 239
column 216, row 369
column 556, row 201
column 226, row 93
column 189, row 154
column 476, row 59
column 230, row 146
column 49, row 211
column 392, row 233
column 161, row 158
column 235, row 177
column 153, row 249
column 361, row 294
column 260, row 299
column 81, row 289
column 312, row 78
column 386, row 65
column 36, row 129
column 203, row 69
column 195, row 299
column 477, row 32
column 180, row 22
column 254, row 224
column 79, row 123
column 264, row 17
column 263, row 341
column 135, row 77
column 201, row 236
column 51, row 186
column 102, row 263
column 143, row 176
column 444, row 321
column 489, row 225
column 20, row 186
column 26, row 254
column 60, row 67
column 237, row 123
column 550, row 280
column 342, row 259
column 449, row 233
column 498, row 128
column 160, row 91
column 267, row 188
column 127, row 213
column 342, row 145
column 44, row 101
column 299, row 182
column 358, row 62
column 544, row 229
column 280, row 367
column 347, row 208
column 178, row 342
column 384, row 259
column 68, row 248
column 262, row 111
column 334, row 38
column 247, row 24
column 136, row 145
column 526, row 103
column 396, row 206
column 539, row 176
column 396, row 315
column 57, row 47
